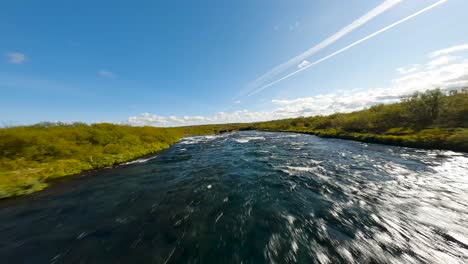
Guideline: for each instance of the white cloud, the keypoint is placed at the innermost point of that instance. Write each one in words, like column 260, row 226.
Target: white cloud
column 449, row 50
column 221, row 117
column 384, row 6
column 412, row 78
column 16, row 57
column 439, row 61
column 303, row 64
column 342, row 101
column 237, row 102
column 106, row 74
column 294, row 26
column 408, row 69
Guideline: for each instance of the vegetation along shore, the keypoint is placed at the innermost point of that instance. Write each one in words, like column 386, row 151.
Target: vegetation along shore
column 424, row 120
column 33, row 156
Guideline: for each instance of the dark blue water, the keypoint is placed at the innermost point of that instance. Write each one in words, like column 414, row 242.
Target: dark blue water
column 251, row 197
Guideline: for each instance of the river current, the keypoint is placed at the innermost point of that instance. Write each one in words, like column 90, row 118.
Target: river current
column 251, row 197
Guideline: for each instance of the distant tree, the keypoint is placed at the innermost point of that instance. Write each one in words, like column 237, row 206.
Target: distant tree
column 423, row 108
column 454, row 111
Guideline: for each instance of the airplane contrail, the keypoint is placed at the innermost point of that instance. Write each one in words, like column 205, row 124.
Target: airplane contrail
column 351, row 45
column 384, row 6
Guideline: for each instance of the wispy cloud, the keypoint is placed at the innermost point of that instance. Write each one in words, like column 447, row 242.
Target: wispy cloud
column 294, row 26
column 384, row 6
column 449, row 50
column 16, row 57
column 408, row 69
column 351, row 45
column 442, row 60
column 303, row 64
column 421, row 77
column 106, row 74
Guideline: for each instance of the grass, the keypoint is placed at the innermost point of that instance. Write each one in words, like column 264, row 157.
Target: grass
column 31, row 157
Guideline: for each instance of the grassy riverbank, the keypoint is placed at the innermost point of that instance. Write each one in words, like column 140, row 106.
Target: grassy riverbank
column 33, row 156
column 433, row 138
column 423, row 120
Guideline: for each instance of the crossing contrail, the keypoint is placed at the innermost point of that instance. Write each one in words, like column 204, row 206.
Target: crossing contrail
column 351, row 45
column 384, row 6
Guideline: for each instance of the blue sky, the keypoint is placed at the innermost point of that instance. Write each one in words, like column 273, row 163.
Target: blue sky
column 170, row 63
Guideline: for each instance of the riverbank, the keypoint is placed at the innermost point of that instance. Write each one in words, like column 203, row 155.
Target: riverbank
column 25, row 176
column 33, row 157
column 35, row 178
column 428, row 120
column 455, row 139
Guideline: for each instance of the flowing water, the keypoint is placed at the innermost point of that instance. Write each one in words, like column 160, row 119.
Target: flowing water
column 251, row 197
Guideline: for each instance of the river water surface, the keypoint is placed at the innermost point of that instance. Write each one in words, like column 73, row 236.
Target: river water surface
column 251, row 197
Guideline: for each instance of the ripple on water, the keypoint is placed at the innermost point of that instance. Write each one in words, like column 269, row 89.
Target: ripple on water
column 247, row 139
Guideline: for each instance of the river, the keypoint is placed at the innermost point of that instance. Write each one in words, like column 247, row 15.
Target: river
column 251, row 197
